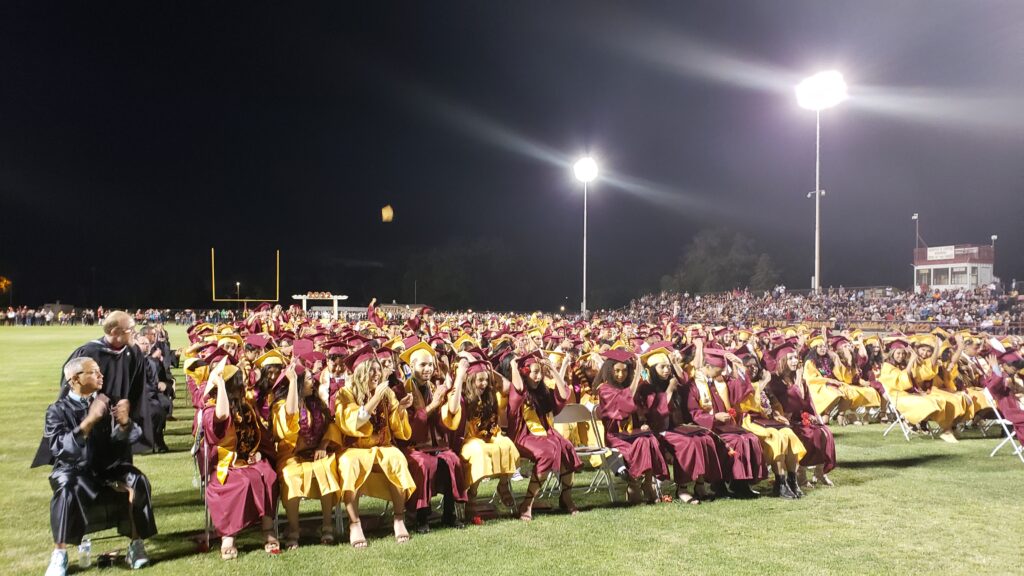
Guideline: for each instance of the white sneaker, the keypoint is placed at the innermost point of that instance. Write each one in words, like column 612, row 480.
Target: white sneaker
column 58, row 563
column 516, row 477
column 137, row 555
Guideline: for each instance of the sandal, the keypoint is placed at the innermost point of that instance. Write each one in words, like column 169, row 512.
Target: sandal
column 687, row 498
column 272, row 545
column 505, row 494
column 399, row 537
column 228, row 553
column 633, row 495
column 327, row 535
column 700, row 490
column 291, row 541
column 356, row 541
column 526, row 514
column 649, row 493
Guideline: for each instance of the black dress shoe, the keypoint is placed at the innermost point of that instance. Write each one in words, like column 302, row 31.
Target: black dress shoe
column 422, row 521
column 743, row 491
column 782, row 491
column 721, row 490
column 794, row 486
column 453, row 522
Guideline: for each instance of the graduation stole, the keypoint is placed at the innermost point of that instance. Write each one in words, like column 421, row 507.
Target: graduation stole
column 312, row 423
column 243, row 437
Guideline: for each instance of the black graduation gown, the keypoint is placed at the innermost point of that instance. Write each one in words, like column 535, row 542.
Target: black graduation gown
column 83, row 469
column 123, row 377
column 153, row 425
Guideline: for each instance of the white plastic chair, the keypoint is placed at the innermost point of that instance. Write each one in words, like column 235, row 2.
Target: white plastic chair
column 577, row 414
column 1007, row 426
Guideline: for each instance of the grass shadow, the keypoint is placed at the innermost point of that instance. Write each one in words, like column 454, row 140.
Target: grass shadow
column 897, row 462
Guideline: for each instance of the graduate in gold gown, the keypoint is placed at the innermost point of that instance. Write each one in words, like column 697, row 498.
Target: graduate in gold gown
column 766, row 419
column 846, row 369
column 473, row 407
column 370, row 419
column 826, row 389
column 927, row 375
column 911, row 402
column 307, row 443
column 970, row 373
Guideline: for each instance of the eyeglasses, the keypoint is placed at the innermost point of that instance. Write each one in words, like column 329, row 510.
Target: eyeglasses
column 96, row 371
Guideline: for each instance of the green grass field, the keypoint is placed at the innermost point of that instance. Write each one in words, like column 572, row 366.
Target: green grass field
column 924, row 507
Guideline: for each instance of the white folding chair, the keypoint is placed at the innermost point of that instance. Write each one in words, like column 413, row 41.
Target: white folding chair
column 1007, row 427
column 984, row 424
column 581, row 414
column 897, row 418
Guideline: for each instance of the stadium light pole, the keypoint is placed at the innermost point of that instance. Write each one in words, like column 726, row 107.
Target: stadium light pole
column 819, row 92
column 585, row 170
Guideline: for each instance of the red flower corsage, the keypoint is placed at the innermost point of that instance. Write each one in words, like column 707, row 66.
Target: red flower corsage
column 805, row 417
column 732, row 414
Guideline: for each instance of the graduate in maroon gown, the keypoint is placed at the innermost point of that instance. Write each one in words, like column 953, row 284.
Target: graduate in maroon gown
column 531, row 409
column 1003, row 383
column 625, row 425
column 789, row 389
column 715, row 404
column 332, row 377
column 435, row 467
column 693, row 449
column 242, row 489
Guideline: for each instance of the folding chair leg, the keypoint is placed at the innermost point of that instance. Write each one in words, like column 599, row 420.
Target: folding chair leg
column 548, row 487
column 339, row 517
column 1000, row 446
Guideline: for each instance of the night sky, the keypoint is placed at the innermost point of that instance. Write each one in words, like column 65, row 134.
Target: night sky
column 134, row 137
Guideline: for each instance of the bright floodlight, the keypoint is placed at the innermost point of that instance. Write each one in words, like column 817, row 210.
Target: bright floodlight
column 585, row 169
column 823, row 90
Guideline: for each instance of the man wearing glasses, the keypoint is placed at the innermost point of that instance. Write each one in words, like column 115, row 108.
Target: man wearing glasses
column 89, row 438
column 122, row 365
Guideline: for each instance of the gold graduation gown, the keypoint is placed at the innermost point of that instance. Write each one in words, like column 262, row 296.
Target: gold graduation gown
column 952, row 406
column 858, row 396
column 300, row 476
column 369, row 444
column 825, row 396
column 776, row 440
column 973, row 385
column 486, row 452
column 914, row 406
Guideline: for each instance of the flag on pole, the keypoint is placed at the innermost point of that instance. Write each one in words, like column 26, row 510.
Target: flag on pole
column 914, row 217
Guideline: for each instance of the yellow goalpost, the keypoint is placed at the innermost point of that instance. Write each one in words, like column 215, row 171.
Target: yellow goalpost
column 277, row 282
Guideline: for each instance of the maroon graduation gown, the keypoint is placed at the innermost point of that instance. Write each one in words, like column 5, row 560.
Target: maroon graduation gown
column 815, row 436
column 622, row 422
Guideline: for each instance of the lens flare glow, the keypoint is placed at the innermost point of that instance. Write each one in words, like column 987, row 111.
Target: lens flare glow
column 585, row 169
column 821, row 91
